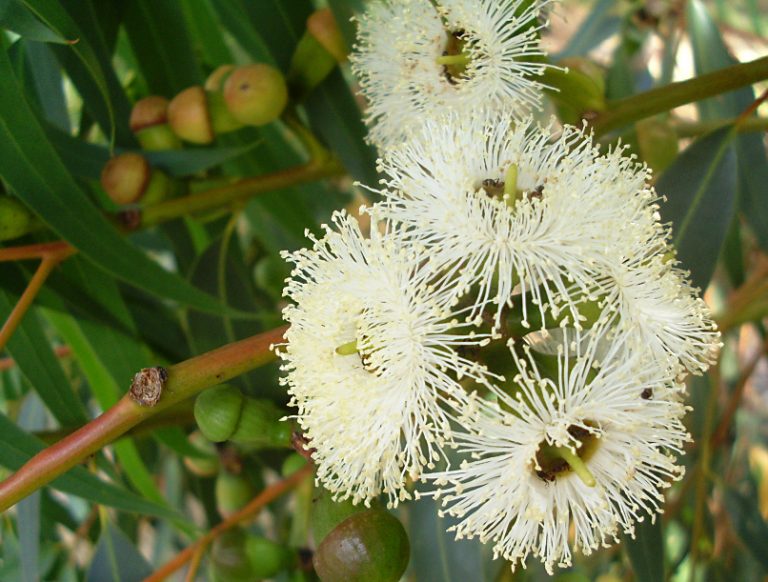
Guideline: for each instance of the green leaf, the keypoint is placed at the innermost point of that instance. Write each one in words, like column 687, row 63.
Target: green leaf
column 53, row 14
column 700, row 187
column 117, row 559
column 162, row 45
column 49, row 86
column 33, row 355
column 437, row 557
column 335, row 116
column 205, row 30
column 749, row 523
column 601, row 23
column 34, row 171
column 18, row 18
column 18, row 447
column 711, row 54
column 646, row 550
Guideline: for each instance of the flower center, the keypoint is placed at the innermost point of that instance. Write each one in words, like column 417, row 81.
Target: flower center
column 352, row 348
column 507, row 189
column 454, row 60
column 553, row 462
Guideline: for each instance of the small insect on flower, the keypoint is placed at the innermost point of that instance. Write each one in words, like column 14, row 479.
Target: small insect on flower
column 567, row 460
column 418, row 58
column 371, row 360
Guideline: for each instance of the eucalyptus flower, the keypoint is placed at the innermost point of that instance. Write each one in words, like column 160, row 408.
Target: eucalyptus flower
column 417, row 58
column 512, row 208
column 566, row 460
column 371, row 360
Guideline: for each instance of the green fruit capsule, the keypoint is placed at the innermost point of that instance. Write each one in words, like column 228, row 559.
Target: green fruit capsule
column 370, row 546
column 217, row 412
column 267, row 558
column 228, row 560
column 232, row 493
column 255, row 94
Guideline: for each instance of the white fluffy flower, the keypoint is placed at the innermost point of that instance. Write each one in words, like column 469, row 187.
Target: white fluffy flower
column 371, row 359
column 650, row 301
column 573, row 210
column 401, row 44
column 622, row 422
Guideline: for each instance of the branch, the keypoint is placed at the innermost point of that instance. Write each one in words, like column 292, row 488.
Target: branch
column 269, row 494
column 183, row 381
column 630, row 109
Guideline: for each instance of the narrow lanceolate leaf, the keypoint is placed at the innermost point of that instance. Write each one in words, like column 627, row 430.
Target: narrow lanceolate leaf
column 117, row 559
column 437, row 556
column 18, row 447
column 749, row 524
column 16, row 17
column 35, row 172
column 29, row 536
column 646, row 551
column 700, row 187
column 711, row 54
column 33, row 355
column 55, row 17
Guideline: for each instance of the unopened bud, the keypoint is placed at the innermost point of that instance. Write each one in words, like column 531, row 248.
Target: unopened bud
column 189, row 118
column 215, row 81
column 322, row 25
column 125, row 178
column 256, row 94
column 147, row 112
column 15, row 219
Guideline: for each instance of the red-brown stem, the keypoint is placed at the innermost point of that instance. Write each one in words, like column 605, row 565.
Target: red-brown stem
column 249, row 511
column 51, row 258
column 59, row 352
column 36, row 251
column 184, row 380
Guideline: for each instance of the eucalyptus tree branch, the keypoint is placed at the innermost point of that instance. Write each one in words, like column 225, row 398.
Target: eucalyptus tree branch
column 625, row 111
column 145, row 400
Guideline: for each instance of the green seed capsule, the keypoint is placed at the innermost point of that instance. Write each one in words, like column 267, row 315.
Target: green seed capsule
column 232, row 493
column 370, row 546
column 217, row 412
column 267, row 558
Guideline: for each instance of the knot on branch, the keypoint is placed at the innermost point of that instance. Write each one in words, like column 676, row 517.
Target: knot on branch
column 147, row 385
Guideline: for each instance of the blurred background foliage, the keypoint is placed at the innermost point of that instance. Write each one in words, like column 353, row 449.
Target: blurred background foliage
column 71, row 70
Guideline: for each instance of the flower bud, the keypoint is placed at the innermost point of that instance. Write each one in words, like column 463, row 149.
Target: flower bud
column 322, row 25
column 370, row 545
column 188, row 116
column 224, row 414
column 203, row 466
column 125, row 178
column 215, row 81
column 15, row 219
column 149, row 121
column 232, row 492
column 256, row 94
column 267, row 558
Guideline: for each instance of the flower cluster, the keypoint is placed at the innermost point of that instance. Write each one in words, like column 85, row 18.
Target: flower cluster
column 516, row 298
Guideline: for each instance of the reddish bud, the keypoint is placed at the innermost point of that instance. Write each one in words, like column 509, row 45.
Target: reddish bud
column 188, row 116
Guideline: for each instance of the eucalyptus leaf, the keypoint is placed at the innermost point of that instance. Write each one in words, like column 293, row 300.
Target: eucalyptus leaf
column 646, row 550
column 700, row 188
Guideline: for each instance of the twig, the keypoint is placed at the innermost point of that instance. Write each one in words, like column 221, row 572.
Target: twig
column 183, row 380
column 249, row 511
column 51, row 258
column 59, row 352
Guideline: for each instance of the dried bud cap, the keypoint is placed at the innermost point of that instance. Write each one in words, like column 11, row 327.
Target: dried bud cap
column 125, row 178
column 256, row 94
column 188, row 116
column 322, row 25
column 215, row 81
column 149, row 112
